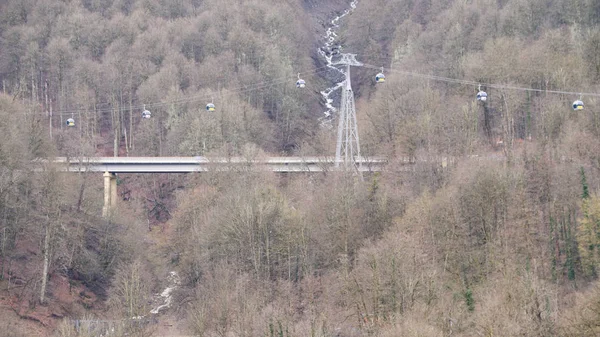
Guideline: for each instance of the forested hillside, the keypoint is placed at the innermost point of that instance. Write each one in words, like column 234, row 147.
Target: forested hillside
column 542, row 45
column 502, row 238
column 102, row 62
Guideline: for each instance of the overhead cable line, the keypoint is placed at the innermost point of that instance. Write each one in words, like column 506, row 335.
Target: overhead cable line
column 474, row 83
column 197, row 97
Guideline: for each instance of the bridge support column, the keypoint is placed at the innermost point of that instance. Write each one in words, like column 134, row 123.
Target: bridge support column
column 110, row 194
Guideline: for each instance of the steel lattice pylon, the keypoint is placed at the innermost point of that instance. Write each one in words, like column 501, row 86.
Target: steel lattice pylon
column 347, row 151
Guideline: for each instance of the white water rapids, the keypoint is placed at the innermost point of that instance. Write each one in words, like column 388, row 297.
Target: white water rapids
column 166, row 296
column 328, row 51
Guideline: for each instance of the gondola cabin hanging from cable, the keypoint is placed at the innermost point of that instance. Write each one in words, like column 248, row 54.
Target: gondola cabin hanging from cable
column 578, row 105
column 146, row 114
column 380, row 78
column 300, row 83
column 482, row 96
column 210, row 107
column 70, row 122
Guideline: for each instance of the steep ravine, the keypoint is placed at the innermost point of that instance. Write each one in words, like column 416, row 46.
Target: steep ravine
column 328, row 52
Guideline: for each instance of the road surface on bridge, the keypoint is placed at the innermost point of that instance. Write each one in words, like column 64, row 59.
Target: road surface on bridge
column 205, row 164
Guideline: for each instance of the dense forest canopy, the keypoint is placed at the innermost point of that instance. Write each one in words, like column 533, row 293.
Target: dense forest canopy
column 101, row 61
column 542, row 45
column 500, row 238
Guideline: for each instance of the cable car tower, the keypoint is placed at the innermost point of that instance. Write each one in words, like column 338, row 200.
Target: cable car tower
column 347, row 152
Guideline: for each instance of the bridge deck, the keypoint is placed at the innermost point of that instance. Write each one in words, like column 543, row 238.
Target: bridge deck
column 204, row 164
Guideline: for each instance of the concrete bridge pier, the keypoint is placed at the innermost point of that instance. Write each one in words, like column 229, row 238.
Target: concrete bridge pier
column 110, row 194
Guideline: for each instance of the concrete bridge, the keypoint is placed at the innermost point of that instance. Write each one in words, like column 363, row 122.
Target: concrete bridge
column 113, row 165
column 206, row 164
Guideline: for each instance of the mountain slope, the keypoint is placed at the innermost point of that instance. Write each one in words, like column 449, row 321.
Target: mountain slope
column 500, row 239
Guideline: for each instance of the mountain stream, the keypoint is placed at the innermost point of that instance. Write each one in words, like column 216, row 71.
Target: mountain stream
column 331, row 48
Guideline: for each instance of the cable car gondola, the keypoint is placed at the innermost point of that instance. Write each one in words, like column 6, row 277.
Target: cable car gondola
column 578, row 104
column 380, row 78
column 481, row 95
column 146, row 114
column 70, row 122
column 300, row 83
column 210, row 107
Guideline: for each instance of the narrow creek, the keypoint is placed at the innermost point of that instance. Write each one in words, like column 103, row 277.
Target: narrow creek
column 330, row 49
column 166, row 296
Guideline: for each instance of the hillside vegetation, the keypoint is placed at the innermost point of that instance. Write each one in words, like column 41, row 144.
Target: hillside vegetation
column 502, row 239
column 101, row 61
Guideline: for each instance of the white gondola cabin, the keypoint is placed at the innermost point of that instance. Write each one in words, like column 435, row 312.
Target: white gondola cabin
column 146, row 114
column 300, row 83
column 482, row 96
column 578, row 105
column 380, row 78
column 210, row 107
column 70, row 122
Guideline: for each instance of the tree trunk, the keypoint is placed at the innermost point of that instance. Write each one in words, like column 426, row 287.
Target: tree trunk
column 116, row 141
column 81, row 194
column 46, row 263
column 3, row 252
column 50, row 119
column 116, row 129
column 130, row 109
column 126, row 142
